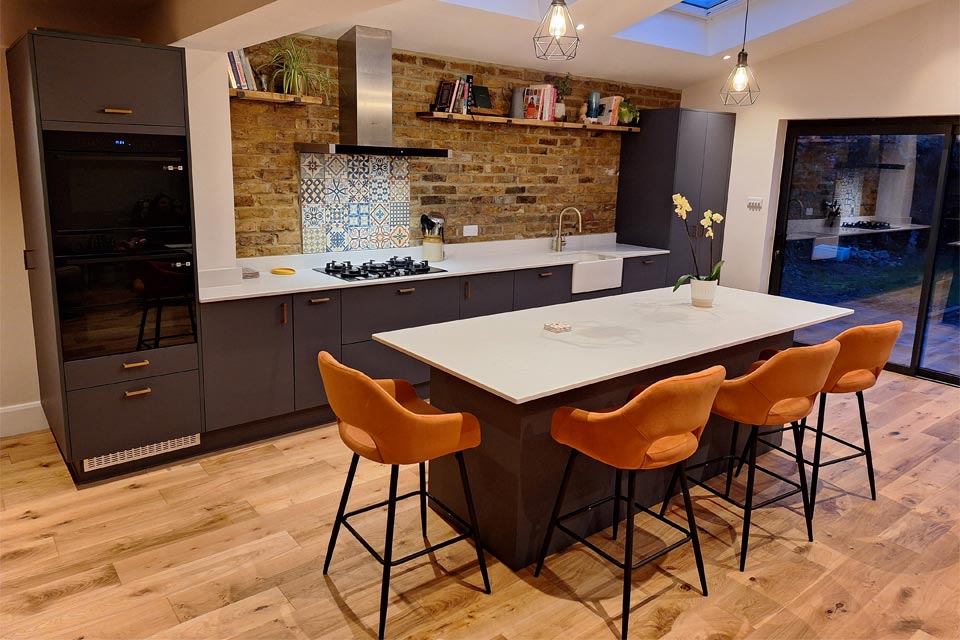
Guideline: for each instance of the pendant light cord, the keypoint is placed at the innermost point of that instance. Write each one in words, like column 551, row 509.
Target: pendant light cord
column 745, row 16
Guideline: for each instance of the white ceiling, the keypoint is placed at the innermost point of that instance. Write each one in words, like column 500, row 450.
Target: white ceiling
column 444, row 28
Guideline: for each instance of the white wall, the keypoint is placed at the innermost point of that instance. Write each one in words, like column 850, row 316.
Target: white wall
column 904, row 65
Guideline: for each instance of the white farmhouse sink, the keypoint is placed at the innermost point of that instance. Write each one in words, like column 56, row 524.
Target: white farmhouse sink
column 595, row 272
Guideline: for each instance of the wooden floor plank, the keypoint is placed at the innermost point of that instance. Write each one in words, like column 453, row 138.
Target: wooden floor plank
column 231, row 545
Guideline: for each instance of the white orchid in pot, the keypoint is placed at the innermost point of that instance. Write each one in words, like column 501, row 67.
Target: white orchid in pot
column 702, row 287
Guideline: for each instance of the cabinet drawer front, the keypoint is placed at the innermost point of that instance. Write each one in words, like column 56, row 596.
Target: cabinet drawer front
column 82, row 374
column 126, row 415
column 380, row 361
column 644, row 273
column 109, row 83
column 542, row 287
column 316, row 328
column 385, row 307
column 485, row 294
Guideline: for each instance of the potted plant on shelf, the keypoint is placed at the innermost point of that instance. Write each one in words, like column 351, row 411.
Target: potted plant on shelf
column 703, row 288
column 293, row 71
column 562, row 85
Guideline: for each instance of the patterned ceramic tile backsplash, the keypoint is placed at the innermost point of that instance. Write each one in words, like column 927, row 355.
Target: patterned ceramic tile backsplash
column 354, row 202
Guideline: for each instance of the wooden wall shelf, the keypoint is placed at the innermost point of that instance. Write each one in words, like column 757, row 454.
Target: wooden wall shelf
column 433, row 115
column 281, row 98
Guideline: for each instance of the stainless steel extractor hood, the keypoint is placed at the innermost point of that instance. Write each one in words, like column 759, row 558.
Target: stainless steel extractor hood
column 366, row 98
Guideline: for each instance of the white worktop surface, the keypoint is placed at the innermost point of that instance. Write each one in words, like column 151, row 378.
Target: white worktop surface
column 513, row 356
column 461, row 260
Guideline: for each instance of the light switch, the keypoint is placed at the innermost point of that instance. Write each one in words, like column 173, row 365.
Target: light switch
column 754, row 203
column 470, row 230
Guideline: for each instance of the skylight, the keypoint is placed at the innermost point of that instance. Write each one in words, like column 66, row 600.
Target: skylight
column 704, row 4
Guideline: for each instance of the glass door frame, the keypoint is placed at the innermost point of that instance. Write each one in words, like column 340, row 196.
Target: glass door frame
column 923, row 125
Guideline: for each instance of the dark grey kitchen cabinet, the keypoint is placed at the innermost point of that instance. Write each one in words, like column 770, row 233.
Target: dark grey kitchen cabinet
column 542, row 287
column 380, row 361
column 386, row 307
column 677, row 151
column 644, row 273
column 247, row 358
column 593, row 295
column 484, row 294
column 121, row 416
column 108, row 83
column 316, row 328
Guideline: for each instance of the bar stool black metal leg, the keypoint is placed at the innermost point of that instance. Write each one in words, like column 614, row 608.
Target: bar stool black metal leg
column 143, row 324
column 156, row 325
column 692, row 524
column 472, row 512
column 733, row 452
column 670, row 489
column 628, row 551
column 618, row 478
column 798, row 443
column 556, row 512
column 743, row 455
column 340, row 511
column 818, row 443
column 193, row 317
column 388, row 548
column 423, row 498
column 748, row 501
column 866, row 445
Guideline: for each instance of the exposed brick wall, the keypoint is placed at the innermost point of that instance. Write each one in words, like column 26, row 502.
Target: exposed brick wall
column 510, row 180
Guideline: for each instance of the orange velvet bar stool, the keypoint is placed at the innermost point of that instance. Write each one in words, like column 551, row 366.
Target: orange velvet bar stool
column 384, row 421
column 779, row 391
column 864, row 352
column 659, row 427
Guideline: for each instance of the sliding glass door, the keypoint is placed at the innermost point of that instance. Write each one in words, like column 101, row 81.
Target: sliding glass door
column 864, row 223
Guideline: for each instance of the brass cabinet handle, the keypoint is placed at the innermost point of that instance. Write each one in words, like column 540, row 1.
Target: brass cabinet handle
column 138, row 392
column 135, row 365
column 546, row 274
column 319, row 300
column 284, row 316
column 466, row 290
column 120, row 112
column 404, row 292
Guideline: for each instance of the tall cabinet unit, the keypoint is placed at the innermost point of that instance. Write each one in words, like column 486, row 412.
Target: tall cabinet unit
column 100, row 130
column 676, row 151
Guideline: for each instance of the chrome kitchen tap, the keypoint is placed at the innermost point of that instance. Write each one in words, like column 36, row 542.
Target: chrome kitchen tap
column 560, row 241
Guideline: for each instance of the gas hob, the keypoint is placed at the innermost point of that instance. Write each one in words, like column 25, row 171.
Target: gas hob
column 393, row 268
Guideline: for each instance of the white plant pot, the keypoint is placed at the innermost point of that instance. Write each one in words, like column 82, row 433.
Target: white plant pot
column 560, row 111
column 702, row 292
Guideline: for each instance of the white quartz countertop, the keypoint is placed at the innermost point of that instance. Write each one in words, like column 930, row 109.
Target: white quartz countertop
column 461, row 260
column 513, row 356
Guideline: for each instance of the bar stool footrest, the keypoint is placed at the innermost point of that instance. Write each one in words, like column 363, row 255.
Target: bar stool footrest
column 606, row 556
column 468, row 531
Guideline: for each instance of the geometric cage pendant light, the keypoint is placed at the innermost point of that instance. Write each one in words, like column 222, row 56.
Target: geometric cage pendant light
column 556, row 38
column 741, row 88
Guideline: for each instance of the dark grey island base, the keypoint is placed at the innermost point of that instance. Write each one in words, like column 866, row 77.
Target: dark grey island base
column 515, row 472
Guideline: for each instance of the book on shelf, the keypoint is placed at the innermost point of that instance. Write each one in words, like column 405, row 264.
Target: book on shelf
column 609, row 110
column 481, row 98
column 240, row 71
column 444, row 96
column 545, row 100
column 248, row 71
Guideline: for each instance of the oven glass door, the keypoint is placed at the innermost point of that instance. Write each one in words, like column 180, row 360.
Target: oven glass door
column 111, row 305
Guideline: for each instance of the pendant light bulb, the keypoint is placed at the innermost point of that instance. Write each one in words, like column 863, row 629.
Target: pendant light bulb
column 558, row 22
column 740, row 79
column 741, row 88
column 557, row 37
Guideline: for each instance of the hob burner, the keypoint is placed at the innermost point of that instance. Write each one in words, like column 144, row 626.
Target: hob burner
column 395, row 267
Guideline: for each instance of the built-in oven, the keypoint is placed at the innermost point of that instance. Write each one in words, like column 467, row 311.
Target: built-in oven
column 121, row 230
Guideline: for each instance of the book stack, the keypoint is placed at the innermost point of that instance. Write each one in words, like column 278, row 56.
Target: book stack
column 540, row 102
column 455, row 96
column 240, row 72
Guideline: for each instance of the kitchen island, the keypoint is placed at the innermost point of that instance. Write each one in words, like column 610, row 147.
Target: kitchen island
column 512, row 374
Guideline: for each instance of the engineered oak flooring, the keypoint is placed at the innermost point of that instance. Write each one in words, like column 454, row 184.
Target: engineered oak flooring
column 230, row 545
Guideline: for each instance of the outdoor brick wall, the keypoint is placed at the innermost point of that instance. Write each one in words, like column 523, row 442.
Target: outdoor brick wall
column 510, row 180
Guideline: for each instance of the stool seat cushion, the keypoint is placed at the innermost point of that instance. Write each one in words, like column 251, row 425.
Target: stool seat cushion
column 853, row 381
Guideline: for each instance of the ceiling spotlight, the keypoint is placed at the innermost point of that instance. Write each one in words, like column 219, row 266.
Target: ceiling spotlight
column 726, row 57
column 557, row 38
column 580, row 27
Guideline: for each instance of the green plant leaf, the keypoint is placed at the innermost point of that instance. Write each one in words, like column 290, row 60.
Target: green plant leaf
column 715, row 274
column 682, row 281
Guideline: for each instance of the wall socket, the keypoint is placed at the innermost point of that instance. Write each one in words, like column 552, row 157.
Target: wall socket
column 470, row 230
column 754, row 203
